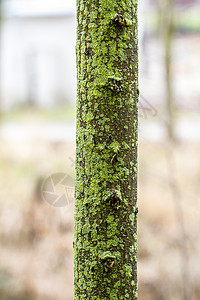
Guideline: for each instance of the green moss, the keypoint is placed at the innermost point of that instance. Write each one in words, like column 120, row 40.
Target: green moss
column 105, row 220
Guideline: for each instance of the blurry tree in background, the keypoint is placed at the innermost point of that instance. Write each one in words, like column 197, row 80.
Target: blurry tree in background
column 105, row 245
column 166, row 25
column 166, row 17
column 0, row 52
column 168, row 30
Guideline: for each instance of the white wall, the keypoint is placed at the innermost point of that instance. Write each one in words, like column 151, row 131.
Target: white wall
column 38, row 59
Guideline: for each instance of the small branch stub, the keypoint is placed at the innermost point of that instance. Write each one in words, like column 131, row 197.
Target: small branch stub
column 109, row 263
column 88, row 51
column 136, row 211
column 108, row 260
column 120, row 21
column 114, row 84
column 114, row 198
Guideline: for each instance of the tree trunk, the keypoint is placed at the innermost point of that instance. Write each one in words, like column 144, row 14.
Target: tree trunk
column 105, row 239
column 0, row 61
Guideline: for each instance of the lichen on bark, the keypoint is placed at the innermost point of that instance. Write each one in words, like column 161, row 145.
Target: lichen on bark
column 105, row 238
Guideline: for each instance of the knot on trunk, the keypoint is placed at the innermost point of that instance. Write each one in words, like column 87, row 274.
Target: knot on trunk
column 114, row 198
column 120, row 21
column 108, row 259
column 114, row 84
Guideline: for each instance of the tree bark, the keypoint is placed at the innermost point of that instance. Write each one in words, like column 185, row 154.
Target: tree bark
column 105, row 239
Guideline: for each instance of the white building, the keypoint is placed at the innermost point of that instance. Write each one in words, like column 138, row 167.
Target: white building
column 38, row 52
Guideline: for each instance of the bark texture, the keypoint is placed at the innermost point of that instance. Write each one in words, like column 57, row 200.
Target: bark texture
column 105, row 239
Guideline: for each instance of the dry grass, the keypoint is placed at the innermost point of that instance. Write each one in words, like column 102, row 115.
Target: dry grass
column 36, row 238
column 161, row 263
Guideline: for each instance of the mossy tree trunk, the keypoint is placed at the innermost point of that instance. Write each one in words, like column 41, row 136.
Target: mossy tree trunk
column 105, row 240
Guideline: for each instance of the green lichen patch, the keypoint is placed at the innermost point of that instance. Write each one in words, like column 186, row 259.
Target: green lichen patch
column 105, row 241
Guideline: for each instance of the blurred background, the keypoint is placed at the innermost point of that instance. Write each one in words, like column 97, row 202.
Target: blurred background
column 37, row 149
